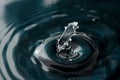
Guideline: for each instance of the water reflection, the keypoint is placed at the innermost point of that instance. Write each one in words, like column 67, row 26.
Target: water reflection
column 24, row 23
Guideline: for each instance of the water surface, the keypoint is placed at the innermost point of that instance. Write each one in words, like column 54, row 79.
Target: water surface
column 24, row 23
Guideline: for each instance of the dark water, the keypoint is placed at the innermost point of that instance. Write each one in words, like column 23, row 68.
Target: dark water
column 24, row 23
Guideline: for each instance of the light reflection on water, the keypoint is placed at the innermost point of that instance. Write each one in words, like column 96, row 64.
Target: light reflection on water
column 24, row 23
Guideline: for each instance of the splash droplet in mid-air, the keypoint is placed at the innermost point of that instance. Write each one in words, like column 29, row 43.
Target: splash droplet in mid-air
column 59, row 51
column 66, row 47
column 64, row 42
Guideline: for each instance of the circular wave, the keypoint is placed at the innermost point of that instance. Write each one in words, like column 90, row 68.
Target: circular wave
column 28, row 23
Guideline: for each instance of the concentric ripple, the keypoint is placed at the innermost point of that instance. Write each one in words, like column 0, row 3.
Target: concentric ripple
column 25, row 25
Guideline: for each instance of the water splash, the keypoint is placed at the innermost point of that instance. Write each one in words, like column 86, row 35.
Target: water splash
column 67, row 49
column 63, row 41
column 26, row 24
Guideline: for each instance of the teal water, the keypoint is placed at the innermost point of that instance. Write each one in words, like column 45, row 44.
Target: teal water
column 24, row 23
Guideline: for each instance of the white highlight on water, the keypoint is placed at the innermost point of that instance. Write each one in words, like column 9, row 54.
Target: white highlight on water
column 30, row 27
column 10, row 58
column 2, row 45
